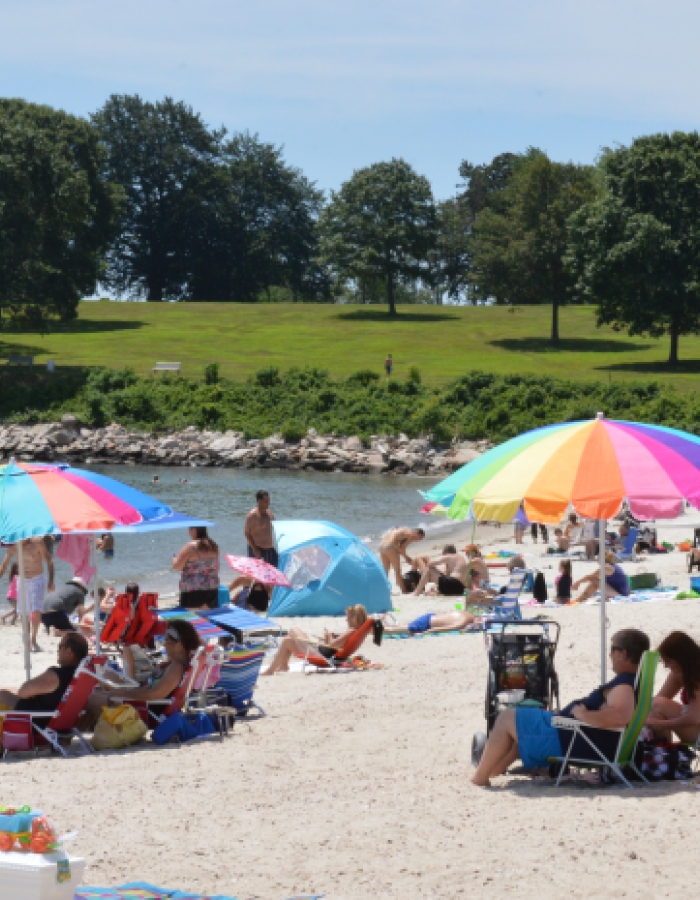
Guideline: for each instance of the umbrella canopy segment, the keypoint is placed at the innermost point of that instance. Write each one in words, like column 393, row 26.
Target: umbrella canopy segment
column 45, row 499
column 258, row 570
column 590, row 466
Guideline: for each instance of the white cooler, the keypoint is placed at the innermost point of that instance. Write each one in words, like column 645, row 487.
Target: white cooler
column 33, row 876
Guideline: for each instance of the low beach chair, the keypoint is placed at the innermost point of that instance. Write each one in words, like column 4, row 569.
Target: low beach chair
column 26, row 731
column 239, row 678
column 628, row 554
column 506, row 607
column 583, row 751
column 351, row 646
column 118, row 620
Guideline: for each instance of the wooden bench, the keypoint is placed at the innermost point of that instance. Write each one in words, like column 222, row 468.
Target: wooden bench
column 20, row 361
column 167, row 367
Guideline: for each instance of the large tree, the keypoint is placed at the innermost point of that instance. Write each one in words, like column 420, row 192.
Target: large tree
column 520, row 243
column 164, row 156
column 380, row 225
column 636, row 251
column 257, row 227
column 56, row 213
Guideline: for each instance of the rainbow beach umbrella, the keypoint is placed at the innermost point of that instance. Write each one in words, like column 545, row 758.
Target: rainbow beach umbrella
column 39, row 499
column 591, row 467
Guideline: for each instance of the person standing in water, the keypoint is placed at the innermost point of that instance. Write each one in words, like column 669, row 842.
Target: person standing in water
column 34, row 555
column 393, row 547
column 258, row 531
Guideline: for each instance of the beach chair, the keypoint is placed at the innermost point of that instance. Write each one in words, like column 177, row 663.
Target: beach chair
column 118, row 621
column 351, row 646
column 24, row 731
column 238, row 680
column 505, row 608
column 145, row 624
column 628, row 554
column 583, row 751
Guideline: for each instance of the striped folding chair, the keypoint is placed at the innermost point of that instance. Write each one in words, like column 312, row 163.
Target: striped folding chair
column 587, row 754
column 239, row 677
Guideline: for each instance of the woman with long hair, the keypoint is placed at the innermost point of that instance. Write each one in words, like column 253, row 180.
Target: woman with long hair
column 198, row 565
column 297, row 641
column 681, row 656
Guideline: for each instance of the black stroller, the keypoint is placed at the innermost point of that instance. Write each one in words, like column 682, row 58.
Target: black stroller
column 521, row 669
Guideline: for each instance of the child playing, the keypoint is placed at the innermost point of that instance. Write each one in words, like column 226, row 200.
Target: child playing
column 12, row 595
column 563, row 582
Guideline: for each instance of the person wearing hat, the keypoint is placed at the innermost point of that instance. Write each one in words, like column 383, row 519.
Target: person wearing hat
column 63, row 603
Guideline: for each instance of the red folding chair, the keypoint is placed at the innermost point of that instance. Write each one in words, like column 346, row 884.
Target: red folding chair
column 31, row 730
column 351, row 646
column 145, row 623
column 118, row 621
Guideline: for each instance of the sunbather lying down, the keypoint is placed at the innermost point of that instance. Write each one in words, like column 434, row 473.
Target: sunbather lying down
column 434, row 622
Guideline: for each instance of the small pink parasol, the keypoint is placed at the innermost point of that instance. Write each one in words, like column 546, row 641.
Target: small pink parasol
column 258, row 570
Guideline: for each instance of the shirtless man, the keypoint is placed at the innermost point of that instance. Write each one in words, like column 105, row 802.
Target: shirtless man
column 34, row 555
column 393, row 547
column 458, row 620
column 451, row 579
column 258, row 531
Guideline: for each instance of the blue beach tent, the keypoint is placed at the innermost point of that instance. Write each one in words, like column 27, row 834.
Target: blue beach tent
column 329, row 568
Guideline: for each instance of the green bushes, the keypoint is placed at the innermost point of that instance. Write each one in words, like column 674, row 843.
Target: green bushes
column 477, row 405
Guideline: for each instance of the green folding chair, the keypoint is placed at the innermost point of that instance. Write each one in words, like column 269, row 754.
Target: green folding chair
column 629, row 736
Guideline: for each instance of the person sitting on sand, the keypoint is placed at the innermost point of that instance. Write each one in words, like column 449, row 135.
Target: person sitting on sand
column 181, row 643
column 479, row 572
column 393, row 547
column 44, row 692
column 616, row 581
column 681, row 656
column 563, row 543
column 450, row 572
column 105, row 602
column 563, row 582
column 298, row 642
column 515, row 562
column 528, row 733
column 250, row 594
column 457, row 620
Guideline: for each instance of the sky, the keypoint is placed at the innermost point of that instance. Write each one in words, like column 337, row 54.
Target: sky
column 347, row 83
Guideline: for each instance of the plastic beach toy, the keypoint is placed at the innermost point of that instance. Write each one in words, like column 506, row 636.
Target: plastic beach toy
column 24, row 829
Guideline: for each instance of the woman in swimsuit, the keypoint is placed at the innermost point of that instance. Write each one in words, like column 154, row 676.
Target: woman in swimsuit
column 393, row 547
column 681, row 656
column 198, row 564
column 297, row 641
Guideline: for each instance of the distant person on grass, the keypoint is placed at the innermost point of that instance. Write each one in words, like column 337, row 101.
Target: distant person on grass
column 393, row 547
column 389, row 365
column 258, row 531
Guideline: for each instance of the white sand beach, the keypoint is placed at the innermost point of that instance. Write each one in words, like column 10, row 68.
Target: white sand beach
column 357, row 786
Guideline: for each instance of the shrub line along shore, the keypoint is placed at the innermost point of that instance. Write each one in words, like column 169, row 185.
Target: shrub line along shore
column 67, row 441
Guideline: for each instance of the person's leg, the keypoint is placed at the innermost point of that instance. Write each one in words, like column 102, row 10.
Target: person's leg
column 396, row 566
column 8, row 699
column 427, row 574
column 288, row 647
column 36, row 622
column 499, row 747
column 663, row 708
column 385, row 560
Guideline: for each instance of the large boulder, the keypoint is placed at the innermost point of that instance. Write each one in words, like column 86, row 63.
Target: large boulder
column 225, row 444
column 353, row 444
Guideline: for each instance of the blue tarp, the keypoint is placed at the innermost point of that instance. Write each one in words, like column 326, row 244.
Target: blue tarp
column 330, row 569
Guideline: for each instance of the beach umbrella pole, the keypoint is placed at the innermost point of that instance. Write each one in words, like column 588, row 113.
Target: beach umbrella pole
column 25, row 611
column 96, row 608
column 602, row 523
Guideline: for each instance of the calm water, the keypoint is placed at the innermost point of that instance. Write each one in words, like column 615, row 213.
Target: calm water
column 365, row 505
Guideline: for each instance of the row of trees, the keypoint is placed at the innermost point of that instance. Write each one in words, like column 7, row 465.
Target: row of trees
column 149, row 201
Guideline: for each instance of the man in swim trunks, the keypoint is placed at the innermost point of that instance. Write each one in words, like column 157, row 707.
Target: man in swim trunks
column 528, row 733
column 450, row 621
column 34, row 555
column 393, row 547
column 258, row 530
column 452, row 576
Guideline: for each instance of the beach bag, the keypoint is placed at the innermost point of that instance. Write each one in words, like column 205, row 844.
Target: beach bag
column 118, row 727
column 183, row 726
column 539, row 588
column 643, row 581
column 664, row 761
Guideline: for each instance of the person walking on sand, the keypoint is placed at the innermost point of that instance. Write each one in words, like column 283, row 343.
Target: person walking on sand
column 258, row 531
column 393, row 547
column 389, row 365
column 34, row 555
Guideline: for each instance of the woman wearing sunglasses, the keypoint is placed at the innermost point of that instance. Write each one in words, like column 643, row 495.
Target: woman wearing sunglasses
column 181, row 643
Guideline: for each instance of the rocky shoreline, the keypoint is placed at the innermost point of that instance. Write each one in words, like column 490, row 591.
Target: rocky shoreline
column 68, row 441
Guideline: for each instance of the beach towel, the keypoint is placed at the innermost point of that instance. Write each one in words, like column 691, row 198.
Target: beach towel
column 75, row 550
column 142, row 891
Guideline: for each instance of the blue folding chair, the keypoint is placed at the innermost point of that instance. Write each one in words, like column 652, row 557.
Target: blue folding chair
column 627, row 554
column 239, row 678
column 507, row 607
